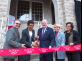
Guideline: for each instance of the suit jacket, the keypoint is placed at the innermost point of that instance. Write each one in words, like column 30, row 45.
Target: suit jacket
column 26, row 38
column 48, row 38
column 59, row 41
column 28, row 41
column 12, row 41
column 74, row 37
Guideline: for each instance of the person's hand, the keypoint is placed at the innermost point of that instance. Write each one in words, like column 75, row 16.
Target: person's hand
column 62, row 45
column 23, row 46
column 37, row 43
column 71, row 44
column 34, row 45
column 37, row 37
column 50, row 47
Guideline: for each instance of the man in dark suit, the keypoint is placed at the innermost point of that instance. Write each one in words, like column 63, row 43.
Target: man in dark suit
column 47, row 40
column 28, row 36
column 13, row 40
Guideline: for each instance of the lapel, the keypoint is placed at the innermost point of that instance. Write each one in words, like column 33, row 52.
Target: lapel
column 45, row 33
column 59, row 33
column 16, row 32
column 27, row 32
column 40, row 34
column 70, row 39
column 54, row 33
column 32, row 34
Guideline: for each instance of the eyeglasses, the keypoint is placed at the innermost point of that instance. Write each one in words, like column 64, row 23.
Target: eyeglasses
column 31, row 25
column 68, row 26
column 17, row 23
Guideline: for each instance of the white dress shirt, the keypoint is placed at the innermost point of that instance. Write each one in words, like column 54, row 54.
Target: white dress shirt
column 44, row 30
column 30, row 34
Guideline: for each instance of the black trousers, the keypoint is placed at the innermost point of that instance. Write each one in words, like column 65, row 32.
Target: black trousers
column 73, row 56
column 6, row 59
column 59, row 59
column 24, row 58
column 44, row 57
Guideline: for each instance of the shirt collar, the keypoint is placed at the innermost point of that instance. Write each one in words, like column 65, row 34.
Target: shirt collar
column 15, row 29
column 30, row 31
column 45, row 28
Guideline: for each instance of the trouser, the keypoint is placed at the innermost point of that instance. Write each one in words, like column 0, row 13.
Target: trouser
column 73, row 56
column 6, row 59
column 24, row 58
column 59, row 59
column 46, row 57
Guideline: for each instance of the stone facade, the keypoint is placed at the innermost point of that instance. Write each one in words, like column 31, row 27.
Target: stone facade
column 64, row 12
column 3, row 14
column 3, row 10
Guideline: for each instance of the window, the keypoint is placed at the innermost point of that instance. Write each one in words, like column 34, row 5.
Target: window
column 23, row 10
column 37, row 11
column 24, row 13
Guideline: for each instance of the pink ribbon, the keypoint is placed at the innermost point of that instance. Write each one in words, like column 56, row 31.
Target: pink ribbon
column 12, row 52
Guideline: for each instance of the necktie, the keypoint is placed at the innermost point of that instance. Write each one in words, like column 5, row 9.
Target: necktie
column 43, row 32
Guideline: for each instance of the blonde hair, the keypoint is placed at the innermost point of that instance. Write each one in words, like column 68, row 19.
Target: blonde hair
column 57, row 25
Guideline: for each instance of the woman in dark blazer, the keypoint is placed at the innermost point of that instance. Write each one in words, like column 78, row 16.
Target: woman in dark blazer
column 28, row 36
column 72, row 38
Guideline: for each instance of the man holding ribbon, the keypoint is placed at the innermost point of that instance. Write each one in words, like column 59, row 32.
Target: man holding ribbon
column 46, row 38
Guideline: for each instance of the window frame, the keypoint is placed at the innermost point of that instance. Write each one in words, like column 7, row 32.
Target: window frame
column 30, row 9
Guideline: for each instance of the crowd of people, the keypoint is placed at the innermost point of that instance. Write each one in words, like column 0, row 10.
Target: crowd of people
column 48, row 38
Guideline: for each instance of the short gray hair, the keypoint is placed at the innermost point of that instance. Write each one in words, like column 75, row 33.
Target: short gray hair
column 46, row 20
column 16, row 20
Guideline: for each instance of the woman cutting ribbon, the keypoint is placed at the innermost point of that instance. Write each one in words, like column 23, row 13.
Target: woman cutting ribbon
column 28, row 36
